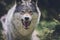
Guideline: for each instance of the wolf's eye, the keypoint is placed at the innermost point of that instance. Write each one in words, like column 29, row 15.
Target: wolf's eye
column 22, row 12
column 31, row 12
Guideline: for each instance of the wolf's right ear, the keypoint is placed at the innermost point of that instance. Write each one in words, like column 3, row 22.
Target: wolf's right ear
column 18, row 1
column 26, row 1
column 22, row 1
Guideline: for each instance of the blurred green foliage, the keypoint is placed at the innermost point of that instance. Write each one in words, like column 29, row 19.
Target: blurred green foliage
column 46, row 29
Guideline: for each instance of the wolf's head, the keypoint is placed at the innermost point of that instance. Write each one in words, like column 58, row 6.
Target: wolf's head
column 25, row 17
column 26, row 10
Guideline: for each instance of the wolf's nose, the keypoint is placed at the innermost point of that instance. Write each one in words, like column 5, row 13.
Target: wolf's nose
column 26, row 18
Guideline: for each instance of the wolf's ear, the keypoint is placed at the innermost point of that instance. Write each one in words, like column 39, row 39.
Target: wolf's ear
column 29, row 1
column 22, row 1
column 34, row 1
column 18, row 1
column 26, row 0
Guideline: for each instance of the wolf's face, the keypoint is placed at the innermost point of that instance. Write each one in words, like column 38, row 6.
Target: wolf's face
column 26, row 13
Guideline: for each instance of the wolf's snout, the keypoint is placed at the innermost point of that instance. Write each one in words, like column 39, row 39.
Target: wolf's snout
column 26, row 18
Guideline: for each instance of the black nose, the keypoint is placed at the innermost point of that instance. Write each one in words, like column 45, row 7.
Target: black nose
column 26, row 18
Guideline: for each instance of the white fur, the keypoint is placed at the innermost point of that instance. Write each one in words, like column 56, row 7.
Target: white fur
column 34, row 36
column 8, row 18
column 39, row 13
column 7, row 21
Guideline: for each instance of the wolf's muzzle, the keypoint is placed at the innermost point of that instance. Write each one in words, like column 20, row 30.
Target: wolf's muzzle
column 26, row 20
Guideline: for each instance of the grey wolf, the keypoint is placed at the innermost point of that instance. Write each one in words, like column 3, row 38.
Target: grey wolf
column 21, row 20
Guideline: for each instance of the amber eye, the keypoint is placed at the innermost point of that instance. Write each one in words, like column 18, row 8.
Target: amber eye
column 22, row 12
column 31, row 12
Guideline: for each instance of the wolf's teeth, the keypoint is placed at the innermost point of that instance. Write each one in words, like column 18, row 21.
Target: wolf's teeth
column 26, row 23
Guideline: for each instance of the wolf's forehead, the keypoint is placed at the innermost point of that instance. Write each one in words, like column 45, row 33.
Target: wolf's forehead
column 31, row 7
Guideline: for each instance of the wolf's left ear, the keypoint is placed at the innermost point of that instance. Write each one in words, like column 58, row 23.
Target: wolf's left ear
column 34, row 1
column 26, row 0
column 22, row 1
column 18, row 1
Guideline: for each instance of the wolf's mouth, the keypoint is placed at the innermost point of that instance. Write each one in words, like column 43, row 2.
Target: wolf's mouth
column 26, row 23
